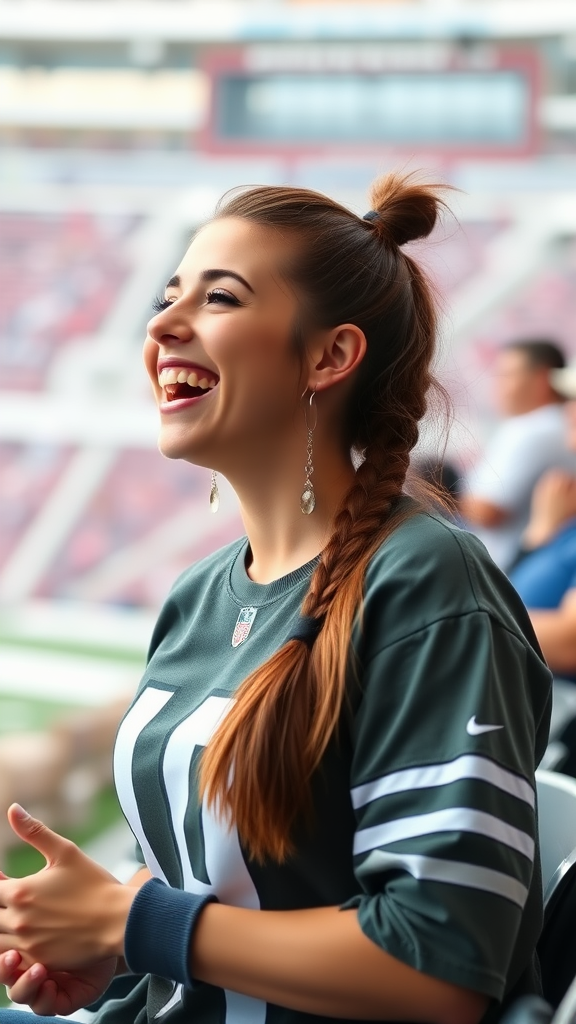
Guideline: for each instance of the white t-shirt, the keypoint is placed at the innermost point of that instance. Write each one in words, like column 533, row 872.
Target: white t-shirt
column 520, row 451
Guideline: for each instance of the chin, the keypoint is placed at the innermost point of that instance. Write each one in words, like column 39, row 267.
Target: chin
column 180, row 448
column 173, row 447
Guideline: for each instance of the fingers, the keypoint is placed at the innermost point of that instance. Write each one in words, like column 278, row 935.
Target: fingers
column 47, row 1003
column 28, row 988
column 10, row 967
column 52, row 846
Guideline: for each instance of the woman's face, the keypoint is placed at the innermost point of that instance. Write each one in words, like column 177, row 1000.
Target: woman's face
column 220, row 353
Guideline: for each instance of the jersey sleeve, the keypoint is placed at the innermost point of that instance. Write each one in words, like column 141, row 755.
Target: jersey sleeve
column 443, row 792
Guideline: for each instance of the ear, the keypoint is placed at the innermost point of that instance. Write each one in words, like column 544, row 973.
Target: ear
column 334, row 355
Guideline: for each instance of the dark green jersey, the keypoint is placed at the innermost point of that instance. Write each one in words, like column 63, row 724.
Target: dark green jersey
column 424, row 803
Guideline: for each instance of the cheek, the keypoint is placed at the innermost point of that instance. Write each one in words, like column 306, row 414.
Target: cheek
column 509, row 388
column 260, row 378
column 255, row 351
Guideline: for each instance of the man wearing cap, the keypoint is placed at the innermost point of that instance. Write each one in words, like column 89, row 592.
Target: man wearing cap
column 530, row 441
column 545, row 572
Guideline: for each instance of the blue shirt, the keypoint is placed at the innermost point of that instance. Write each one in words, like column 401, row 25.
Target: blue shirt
column 544, row 576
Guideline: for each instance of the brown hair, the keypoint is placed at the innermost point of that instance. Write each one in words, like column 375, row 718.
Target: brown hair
column 258, row 765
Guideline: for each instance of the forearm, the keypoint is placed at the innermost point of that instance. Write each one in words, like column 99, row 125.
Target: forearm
column 556, row 632
column 319, row 961
column 479, row 512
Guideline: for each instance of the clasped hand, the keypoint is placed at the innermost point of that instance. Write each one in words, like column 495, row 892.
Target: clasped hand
column 62, row 928
column 553, row 505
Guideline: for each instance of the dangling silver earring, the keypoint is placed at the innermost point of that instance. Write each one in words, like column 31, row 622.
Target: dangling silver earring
column 308, row 498
column 214, row 493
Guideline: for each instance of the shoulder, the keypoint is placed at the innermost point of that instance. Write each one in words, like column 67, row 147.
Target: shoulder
column 546, row 417
column 444, row 631
column 429, row 570
column 503, row 456
column 519, row 432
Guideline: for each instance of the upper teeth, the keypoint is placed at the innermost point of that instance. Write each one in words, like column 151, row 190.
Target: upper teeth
column 181, row 375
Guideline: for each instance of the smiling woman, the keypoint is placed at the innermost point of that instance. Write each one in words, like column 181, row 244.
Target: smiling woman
column 329, row 764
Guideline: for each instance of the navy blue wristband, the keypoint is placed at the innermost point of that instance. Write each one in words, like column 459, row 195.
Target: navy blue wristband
column 159, row 931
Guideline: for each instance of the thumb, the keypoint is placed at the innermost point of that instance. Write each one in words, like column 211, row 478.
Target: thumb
column 36, row 834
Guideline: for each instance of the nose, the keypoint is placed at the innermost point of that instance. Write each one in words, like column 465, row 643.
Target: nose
column 170, row 326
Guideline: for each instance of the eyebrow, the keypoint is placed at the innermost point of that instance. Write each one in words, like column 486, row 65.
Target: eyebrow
column 207, row 276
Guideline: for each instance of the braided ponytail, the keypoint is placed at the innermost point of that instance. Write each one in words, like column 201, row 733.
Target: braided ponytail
column 258, row 766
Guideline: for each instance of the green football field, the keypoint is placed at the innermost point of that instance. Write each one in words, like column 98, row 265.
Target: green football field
column 23, row 860
column 47, row 672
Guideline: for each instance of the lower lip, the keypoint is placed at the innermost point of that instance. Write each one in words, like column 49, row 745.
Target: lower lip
column 178, row 404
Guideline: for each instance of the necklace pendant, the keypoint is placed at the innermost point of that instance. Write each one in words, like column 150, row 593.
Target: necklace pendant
column 307, row 501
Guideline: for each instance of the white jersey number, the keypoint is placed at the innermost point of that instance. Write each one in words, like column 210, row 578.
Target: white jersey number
column 225, row 865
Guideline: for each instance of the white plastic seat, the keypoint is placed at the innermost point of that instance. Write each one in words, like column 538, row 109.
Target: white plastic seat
column 566, row 1012
column 556, row 821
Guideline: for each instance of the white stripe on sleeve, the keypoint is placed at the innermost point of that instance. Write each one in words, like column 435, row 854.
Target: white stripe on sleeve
column 450, row 872
column 453, row 819
column 468, row 766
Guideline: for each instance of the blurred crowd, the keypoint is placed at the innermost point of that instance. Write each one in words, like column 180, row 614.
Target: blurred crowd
column 519, row 498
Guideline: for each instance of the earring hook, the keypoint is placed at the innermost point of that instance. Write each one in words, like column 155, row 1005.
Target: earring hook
column 308, row 411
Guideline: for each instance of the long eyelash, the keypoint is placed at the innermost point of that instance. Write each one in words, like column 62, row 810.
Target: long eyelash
column 220, row 296
column 160, row 303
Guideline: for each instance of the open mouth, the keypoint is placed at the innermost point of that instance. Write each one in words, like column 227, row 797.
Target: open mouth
column 180, row 382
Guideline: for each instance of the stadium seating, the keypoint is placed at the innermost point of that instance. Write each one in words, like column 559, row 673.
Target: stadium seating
column 543, row 306
column 28, row 473
column 456, row 252
column 59, row 275
column 149, row 520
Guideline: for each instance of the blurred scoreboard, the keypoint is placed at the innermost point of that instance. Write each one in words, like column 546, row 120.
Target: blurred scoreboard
column 461, row 99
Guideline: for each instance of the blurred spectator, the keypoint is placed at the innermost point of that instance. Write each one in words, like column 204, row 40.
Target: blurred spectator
column 442, row 485
column 545, row 571
column 531, row 440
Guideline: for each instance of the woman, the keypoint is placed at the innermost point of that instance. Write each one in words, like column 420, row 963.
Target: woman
column 354, row 689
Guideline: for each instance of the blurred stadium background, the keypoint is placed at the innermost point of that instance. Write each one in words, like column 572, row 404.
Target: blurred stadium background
column 121, row 123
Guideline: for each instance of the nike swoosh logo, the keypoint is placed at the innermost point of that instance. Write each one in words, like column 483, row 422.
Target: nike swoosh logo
column 474, row 729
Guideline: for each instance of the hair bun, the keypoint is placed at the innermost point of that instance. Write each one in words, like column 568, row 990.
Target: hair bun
column 407, row 209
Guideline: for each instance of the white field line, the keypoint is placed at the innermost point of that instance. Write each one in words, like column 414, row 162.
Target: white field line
column 45, row 675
